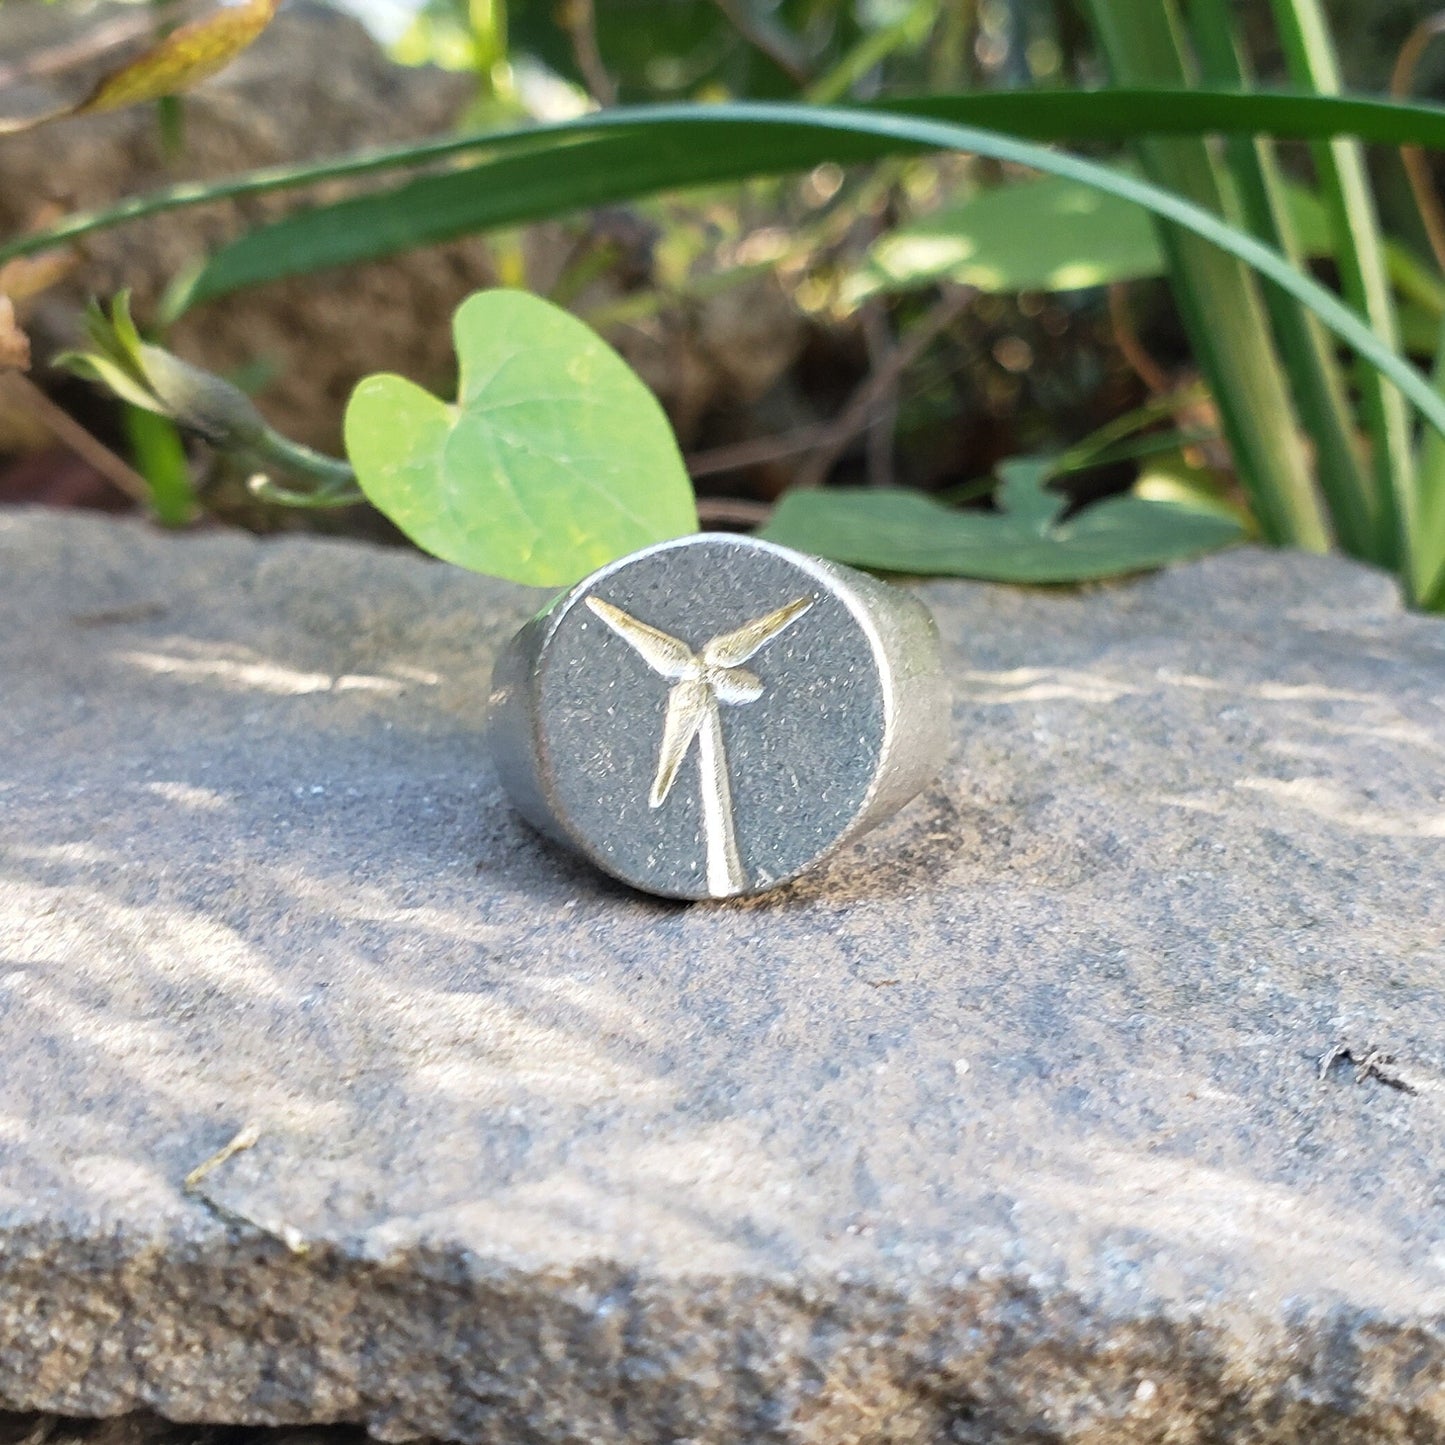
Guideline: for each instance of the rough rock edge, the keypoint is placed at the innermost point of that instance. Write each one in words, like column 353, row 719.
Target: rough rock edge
column 494, row 1354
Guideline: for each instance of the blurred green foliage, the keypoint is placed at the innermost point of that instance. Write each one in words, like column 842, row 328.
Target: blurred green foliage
column 1272, row 256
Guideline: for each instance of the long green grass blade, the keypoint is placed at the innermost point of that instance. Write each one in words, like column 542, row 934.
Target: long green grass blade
column 1062, row 115
column 1217, row 296
column 821, row 133
column 1345, row 187
column 1425, row 565
column 1316, row 383
column 834, row 132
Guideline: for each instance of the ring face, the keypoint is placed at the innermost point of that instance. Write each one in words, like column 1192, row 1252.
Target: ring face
column 707, row 717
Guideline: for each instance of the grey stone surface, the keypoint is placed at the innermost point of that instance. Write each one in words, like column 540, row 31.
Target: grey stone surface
column 1007, row 1127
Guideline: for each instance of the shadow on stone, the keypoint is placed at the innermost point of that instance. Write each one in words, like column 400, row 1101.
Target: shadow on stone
column 1007, row 1126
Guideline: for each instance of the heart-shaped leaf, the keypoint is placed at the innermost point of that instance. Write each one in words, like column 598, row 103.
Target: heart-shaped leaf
column 901, row 531
column 554, row 460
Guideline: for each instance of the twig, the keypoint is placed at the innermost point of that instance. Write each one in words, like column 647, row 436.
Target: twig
column 246, row 1138
column 1371, row 1064
column 43, row 1429
column 28, row 276
column 14, row 343
column 830, row 439
column 732, row 511
column 863, row 404
column 579, row 20
column 69, row 54
column 774, row 42
column 1417, row 166
column 70, row 433
column 883, row 430
column 1126, row 338
column 758, row 451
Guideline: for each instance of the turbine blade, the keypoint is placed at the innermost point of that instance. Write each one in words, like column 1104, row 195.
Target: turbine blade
column 735, row 685
column 731, row 648
column 662, row 653
column 725, row 873
column 687, row 705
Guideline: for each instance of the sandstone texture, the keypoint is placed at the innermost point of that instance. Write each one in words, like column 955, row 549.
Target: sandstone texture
column 1009, row 1126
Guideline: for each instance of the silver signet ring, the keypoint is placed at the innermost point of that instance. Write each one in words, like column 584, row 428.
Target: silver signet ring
column 712, row 716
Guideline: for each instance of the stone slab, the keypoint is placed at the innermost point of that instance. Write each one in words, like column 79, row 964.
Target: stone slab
column 1007, row 1127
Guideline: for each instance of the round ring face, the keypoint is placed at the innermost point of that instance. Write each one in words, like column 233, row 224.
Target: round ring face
column 712, row 715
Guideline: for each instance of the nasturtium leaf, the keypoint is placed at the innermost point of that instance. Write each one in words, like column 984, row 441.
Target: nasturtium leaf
column 893, row 530
column 554, row 460
column 1048, row 234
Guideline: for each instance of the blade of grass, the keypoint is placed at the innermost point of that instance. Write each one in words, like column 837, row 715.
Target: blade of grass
column 743, row 129
column 911, row 28
column 435, row 207
column 1426, row 562
column 1087, row 450
column 1218, row 299
column 1173, row 440
column 1345, row 188
column 1318, row 388
column 1061, row 115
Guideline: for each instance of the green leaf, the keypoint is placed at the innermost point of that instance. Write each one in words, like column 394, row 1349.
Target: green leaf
column 1075, row 116
column 679, row 142
column 554, row 460
column 1271, row 212
column 1222, row 308
column 1034, row 235
column 160, row 457
column 92, row 366
column 900, row 531
column 1047, row 234
column 1427, row 556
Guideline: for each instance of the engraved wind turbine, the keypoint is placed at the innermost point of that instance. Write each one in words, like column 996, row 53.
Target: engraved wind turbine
column 701, row 682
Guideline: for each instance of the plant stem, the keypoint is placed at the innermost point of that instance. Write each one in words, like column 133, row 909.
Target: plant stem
column 1318, row 387
column 1217, row 296
column 911, row 28
column 331, row 473
column 1345, row 188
